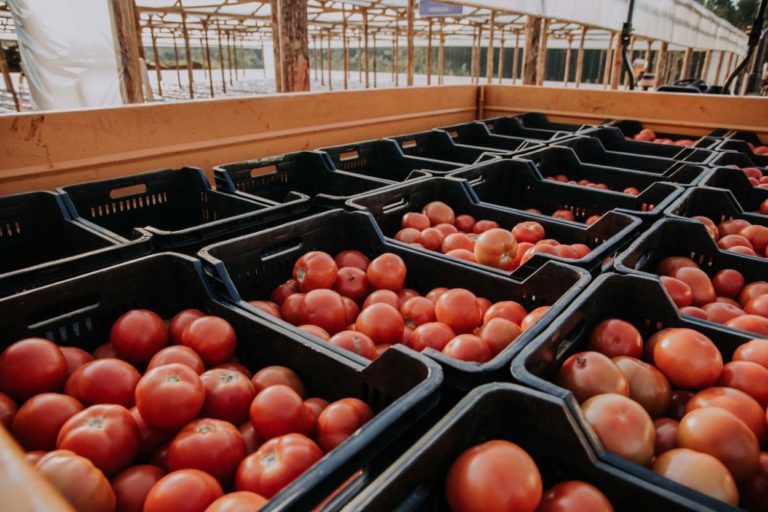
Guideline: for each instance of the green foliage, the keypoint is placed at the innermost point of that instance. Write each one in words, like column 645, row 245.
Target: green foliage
column 253, row 57
column 739, row 12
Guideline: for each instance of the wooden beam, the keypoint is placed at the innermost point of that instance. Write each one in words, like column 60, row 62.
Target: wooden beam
column 616, row 66
column 274, row 7
column 661, row 64
column 345, row 48
column 229, row 56
column 156, row 56
column 375, row 73
column 429, row 53
column 314, row 55
column 608, row 66
column 541, row 65
column 411, row 13
column 365, row 34
column 477, row 49
column 567, row 73
column 208, row 59
column 294, row 46
column 705, row 66
column 441, row 55
column 685, row 70
column 516, row 58
column 647, row 56
column 330, row 63
column 730, row 64
column 396, row 68
column 580, row 56
column 322, row 61
column 137, row 26
column 176, row 59
column 359, row 58
column 123, row 19
column 221, row 58
column 531, row 49
column 501, row 55
column 489, row 57
column 188, row 53
column 234, row 55
column 719, row 67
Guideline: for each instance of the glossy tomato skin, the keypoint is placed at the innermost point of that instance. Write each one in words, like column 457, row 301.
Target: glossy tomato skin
column 586, row 374
column 734, row 401
column 357, row 259
column 132, row 486
column 533, row 317
column 753, row 350
column 356, row 342
column 622, row 425
column 387, row 272
column 240, row 501
column 728, row 283
column 666, row 435
column 431, row 335
column 616, row 337
column 509, row 309
column 32, row 366
column 213, row 446
column 747, row 376
column 340, row 420
column 352, row 282
column 170, row 396
column 647, row 385
column 279, row 410
column 38, row 421
column 273, row 375
column 468, row 347
column 104, row 381
column 81, row 483
column 417, row 311
column 499, row 333
column 213, row 339
column 438, row 213
column 150, row 438
column 574, row 496
column 495, row 475
column 315, row 270
column 105, row 434
column 138, row 335
column 76, row 357
column 381, row 322
column 177, row 354
column 250, row 437
column 186, row 490
column 276, row 464
column 496, row 248
column 699, row 471
column 459, row 310
column 228, row 395
column 180, row 321
column 325, row 308
column 283, row 291
column 687, row 358
column 8, row 409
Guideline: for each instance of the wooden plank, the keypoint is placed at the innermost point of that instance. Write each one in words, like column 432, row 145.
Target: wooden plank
column 207, row 49
column 229, row 57
column 409, row 52
column 608, row 60
column 274, row 7
column 221, row 58
column 567, row 72
column 176, row 60
column 365, row 34
column 516, row 58
column 441, row 55
column 661, row 64
column 294, row 46
column 489, row 53
column 501, row 55
column 531, row 49
column 685, row 70
column 429, row 53
column 330, row 63
column 705, row 66
column 43, row 151
column 188, row 54
column 580, row 56
column 156, row 56
column 344, row 45
column 616, row 65
column 541, row 64
column 314, row 55
column 124, row 24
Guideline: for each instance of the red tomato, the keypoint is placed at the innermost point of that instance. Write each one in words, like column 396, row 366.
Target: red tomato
column 315, row 270
column 177, row 354
column 32, row 366
column 236, row 367
column 462, row 254
column 754, row 491
column 240, row 501
column 170, row 396
column 228, row 395
column 317, row 405
column 280, row 293
column 325, row 309
column 757, row 235
column 292, row 309
column 731, row 241
column 351, row 309
column 482, row 226
column 417, row 311
column 752, row 290
column 498, row 334
column 668, row 266
column 279, row 410
column 680, row 399
column 180, row 321
column 105, row 434
column 76, row 357
column 721, row 312
column 150, row 438
column 387, row 272
column 105, row 351
column 355, row 259
column 435, row 293
column 37, row 423
column 340, row 420
column 647, row 385
column 496, row 248
column 508, row 309
column 495, row 475
column 458, row 309
column 614, row 337
column 587, row 374
column 687, row 358
column 701, row 287
column 415, row 220
column 679, row 291
column 752, row 323
column 736, row 402
column 8, row 409
column 698, row 471
column 250, row 437
column 408, row 235
column 564, row 214
column 732, row 226
column 213, row 339
column 356, row 342
column 268, row 307
column 276, row 464
column 316, row 331
column 274, row 375
column 78, row 481
column 138, row 335
column 465, row 223
column 757, row 306
column 666, row 435
column 438, row 213
column 753, row 350
column 456, row 241
column 574, row 496
column 431, row 239
column 694, row 312
column 104, row 381
column 622, row 425
column 381, row 322
column 533, row 317
column 133, row 485
column 383, row 297
column 187, row 490
column 468, row 347
column 747, row 376
column 431, row 335
column 352, row 282
column 528, row 231
column 213, row 446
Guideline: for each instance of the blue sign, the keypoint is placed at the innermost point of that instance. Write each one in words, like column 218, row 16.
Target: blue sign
column 434, row 8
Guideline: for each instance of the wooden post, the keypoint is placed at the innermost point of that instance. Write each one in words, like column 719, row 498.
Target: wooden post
column 429, row 53
column 489, row 60
column 244, row 61
column 477, row 49
column 719, row 66
column 124, row 20
column 516, row 58
column 647, row 56
column 397, row 56
column 730, row 63
column 322, row 61
column 359, row 57
column 375, row 74
column 365, row 34
column 234, row 55
column 567, row 61
column 661, row 63
column 501, row 55
column 580, row 56
column 394, row 54
column 208, row 57
column 275, row 15
column 630, row 56
column 616, row 66
column 541, row 65
column 294, row 46
column 410, row 11
column 221, row 58
column 188, row 53
column 441, row 55
column 156, row 56
column 9, row 82
column 608, row 60
column 313, row 66
column 176, row 58
column 330, row 63
column 229, row 56
column 684, row 71
column 531, row 49
column 705, row 66
column 473, row 56
column 345, row 49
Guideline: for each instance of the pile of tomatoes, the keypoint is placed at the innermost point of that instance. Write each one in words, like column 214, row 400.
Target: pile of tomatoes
column 438, row 228
column 648, row 135
column 500, row 475
column 563, row 178
column 757, row 179
column 194, row 425
column 670, row 403
column 363, row 306
column 738, row 235
column 724, row 298
column 758, row 150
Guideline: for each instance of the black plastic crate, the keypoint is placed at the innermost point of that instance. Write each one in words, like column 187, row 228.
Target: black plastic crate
column 399, row 386
column 605, row 237
column 438, row 145
column 630, row 128
column 613, row 139
column 645, row 304
column 40, row 243
column 176, row 205
column 477, row 134
column 385, row 159
column 250, row 267
column 533, row 125
column 716, row 203
column 518, row 184
column 292, row 177
column 747, row 196
column 730, row 158
column 742, row 147
column 539, row 423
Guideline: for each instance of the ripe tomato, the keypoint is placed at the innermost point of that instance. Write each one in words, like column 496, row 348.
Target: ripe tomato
column 105, row 434
column 37, row 423
column 317, row 405
column 752, row 290
column 228, row 395
column 757, row 306
column 721, row 312
column 76, row 357
column 495, row 475
column 694, row 312
column 8, row 409
column 292, row 309
column 356, row 342
column 698, row 471
column 180, row 321
column 250, row 437
column 383, row 297
column 186, row 490
column 668, row 266
column 465, row 223
column 387, row 272
column 431, row 335
column 737, row 402
column 438, row 213
column 731, row 227
column 133, row 485
column 315, row 270
column 279, row 410
column 105, row 351
column 499, row 333
column 687, row 358
column 213, row 339
column 408, row 235
column 754, row 491
column 213, row 446
column 462, row 254
column 666, row 435
column 233, row 365
column 724, row 436
column 748, row 377
column 78, row 480
column 458, row 309
column 456, row 241
column 352, row 282
column 340, row 420
column 274, row 375
column 177, row 354
column 528, row 231
column 482, row 226
column 468, row 347
column 316, row 331
column 533, row 317
column 622, row 425
column 757, row 235
column 574, row 496
column 679, row 291
column 356, row 259
column 32, row 366
column 104, row 381
column 170, row 396
column 415, row 220
column 138, row 335
column 587, row 374
column 701, row 287
column 728, row 283
column 240, row 501
column 564, row 214
column 496, row 248
column 381, row 322
column 647, row 385
column 508, row 309
column 752, row 323
column 277, row 463
column 325, row 309
column 753, row 350
column 267, row 306
column 616, row 337
column 417, row 311
column 150, row 438
column 431, row 239
column 283, row 291
column 435, row 294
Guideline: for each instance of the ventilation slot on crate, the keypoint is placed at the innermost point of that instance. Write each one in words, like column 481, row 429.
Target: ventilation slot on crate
column 10, row 229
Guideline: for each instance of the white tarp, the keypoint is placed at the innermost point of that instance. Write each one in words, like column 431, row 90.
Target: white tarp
column 68, row 52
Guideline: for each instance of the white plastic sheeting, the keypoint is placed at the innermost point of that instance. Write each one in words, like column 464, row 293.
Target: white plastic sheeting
column 68, row 52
